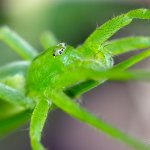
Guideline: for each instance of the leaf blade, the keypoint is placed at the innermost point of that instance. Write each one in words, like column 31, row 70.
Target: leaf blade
column 12, row 122
column 14, row 96
column 19, row 45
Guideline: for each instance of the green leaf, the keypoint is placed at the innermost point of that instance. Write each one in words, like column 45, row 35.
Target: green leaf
column 14, row 121
column 8, row 109
column 16, row 97
column 48, row 40
column 14, row 68
column 19, row 45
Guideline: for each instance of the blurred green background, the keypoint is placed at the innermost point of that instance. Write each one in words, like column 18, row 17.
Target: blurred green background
column 71, row 22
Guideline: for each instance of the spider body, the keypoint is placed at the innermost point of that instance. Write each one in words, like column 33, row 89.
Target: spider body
column 79, row 69
column 69, row 61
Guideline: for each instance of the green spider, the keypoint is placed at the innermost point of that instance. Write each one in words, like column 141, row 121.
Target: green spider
column 62, row 73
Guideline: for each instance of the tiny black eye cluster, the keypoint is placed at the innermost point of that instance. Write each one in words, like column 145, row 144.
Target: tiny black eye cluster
column 59, row 51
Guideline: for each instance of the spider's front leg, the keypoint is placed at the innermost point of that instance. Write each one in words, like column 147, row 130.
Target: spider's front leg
column 38, row 119
column 127, row 44
column 108, row 29
column 62, row 101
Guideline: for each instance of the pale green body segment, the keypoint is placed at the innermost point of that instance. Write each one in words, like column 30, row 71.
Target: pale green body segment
column 50, row 67
column 54, row 80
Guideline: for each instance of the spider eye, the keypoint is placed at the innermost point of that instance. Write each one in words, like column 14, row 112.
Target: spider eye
column 59, row 49
column 60, row 52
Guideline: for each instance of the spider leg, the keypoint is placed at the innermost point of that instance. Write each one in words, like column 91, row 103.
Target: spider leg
column 109, row 28
column 83, row 87
column 75, row 84
column 38, row 119
column 127, row 44
column 66, row 104
column 19, row 45
column 132, row 60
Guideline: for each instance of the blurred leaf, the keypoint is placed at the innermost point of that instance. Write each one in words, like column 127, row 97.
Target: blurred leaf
column 19, row 45
column 14, row 96
column 48, row 40
column 10, row 123
column 14, row 68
